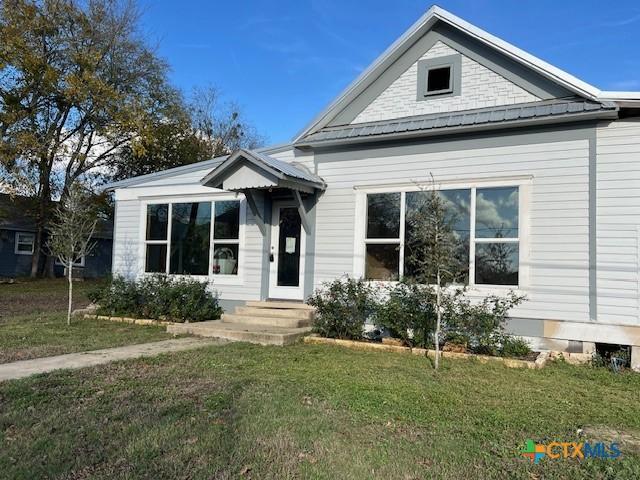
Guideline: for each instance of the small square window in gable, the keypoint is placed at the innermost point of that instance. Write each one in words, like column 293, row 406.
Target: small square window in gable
column 439, row 77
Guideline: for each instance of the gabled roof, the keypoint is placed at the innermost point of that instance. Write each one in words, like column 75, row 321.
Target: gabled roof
column 281, row 170
column 422, row 26
column 454, row 122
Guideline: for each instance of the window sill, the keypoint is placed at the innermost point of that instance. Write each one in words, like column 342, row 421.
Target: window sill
column 23, row 253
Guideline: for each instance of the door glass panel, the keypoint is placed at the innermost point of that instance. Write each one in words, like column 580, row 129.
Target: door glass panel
column 289, row 248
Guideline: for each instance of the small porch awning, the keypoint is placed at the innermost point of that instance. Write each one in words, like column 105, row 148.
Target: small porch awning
column 250, row 170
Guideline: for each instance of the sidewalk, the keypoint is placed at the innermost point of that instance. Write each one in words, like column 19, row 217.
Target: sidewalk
column 25, row 368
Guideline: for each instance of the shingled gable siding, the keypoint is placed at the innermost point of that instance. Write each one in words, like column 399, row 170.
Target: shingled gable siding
column 558, row 220
column 481, row 88
column 618, row 222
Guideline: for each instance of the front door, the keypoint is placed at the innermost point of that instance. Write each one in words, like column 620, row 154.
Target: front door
column 286, row 274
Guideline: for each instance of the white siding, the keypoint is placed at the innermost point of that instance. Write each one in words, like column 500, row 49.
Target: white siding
column 127, row 238
column 480, row 88
column 558, row 256
column 618, row 222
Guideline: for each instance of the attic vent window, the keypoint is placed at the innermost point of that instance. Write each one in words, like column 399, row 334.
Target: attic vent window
column 439, row 80
column 439, row 77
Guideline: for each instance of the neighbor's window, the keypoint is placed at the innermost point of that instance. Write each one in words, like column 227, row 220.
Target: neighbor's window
column 183, row 245
column 496, row 236
column 25, row 243
column 439, row 80
column 190, row 236
column 382, row 241
column 494, row 246
column 226, row 238
column 156, row 238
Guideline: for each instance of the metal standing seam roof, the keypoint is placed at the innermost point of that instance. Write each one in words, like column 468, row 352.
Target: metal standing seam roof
column 287, row 168
column 467, row 118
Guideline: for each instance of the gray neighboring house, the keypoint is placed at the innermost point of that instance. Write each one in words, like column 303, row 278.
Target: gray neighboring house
column 543, row 169
column 17, row 240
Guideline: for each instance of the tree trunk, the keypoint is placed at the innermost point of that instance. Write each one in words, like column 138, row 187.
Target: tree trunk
column 35, row 258
column 70, row 277
column 438, row 321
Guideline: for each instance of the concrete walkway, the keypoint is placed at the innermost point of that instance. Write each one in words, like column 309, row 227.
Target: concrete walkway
column 25, row 368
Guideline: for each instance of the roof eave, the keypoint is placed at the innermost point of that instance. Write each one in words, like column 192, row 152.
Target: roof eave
column 407, row 135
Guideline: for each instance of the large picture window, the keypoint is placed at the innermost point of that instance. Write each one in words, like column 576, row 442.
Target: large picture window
column 487, row 235
column 196, row 238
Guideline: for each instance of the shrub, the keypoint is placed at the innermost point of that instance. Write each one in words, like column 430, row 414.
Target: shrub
column 481, row 324
column 158, row 297
column 409, row 313
column 342, row 308
column 514, row 347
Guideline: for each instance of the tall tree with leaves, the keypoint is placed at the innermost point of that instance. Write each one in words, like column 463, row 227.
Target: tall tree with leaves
column 432, row 249
column 70, row 232
column 77, row 84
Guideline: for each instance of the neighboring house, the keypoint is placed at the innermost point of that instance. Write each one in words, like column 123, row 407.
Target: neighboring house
column 17, row 243
column 543, row 169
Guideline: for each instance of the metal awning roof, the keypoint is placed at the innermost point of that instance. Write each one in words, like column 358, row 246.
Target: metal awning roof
column 453, row 122
column 265, row 172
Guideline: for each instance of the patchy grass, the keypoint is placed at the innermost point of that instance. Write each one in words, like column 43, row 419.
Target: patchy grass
column 244, row 411
column 33, row 322
column 24, row 337
column 37, row 296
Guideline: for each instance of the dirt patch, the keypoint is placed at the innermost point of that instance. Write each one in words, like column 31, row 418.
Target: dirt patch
column 628, row 439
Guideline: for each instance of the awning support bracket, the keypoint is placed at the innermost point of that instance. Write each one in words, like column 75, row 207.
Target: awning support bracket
column 256, row 213
column 304, row 216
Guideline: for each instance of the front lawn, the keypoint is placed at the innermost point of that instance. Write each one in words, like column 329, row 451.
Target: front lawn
column 244, row 411
column 33, row 322
column 42, row 335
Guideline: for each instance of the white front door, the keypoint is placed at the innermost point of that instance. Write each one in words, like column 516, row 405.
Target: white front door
column 286, row 273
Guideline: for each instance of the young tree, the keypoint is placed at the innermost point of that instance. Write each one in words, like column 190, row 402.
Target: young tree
column 432, row 249
column 78, row 83
column 70, row 232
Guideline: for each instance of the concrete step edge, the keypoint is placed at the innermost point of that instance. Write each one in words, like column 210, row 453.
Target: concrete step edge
column 278, row 304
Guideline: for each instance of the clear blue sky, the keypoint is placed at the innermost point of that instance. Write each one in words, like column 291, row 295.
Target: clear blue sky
column 284, row 60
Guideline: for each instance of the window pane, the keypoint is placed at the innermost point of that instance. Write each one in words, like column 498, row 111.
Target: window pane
column 157, row 221
column 497, row 212
column 190, row 230
column 497, row 263
column 225, row 259
column 227, row 224
column 156, row 259
column 439, row 79
column 458, row 215
column 382, row 262
column 383, row 215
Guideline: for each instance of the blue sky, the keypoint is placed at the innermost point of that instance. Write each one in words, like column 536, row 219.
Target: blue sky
column 284, row 61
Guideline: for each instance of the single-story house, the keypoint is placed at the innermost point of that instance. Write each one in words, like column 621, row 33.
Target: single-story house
column 18, row 237
column 543, row 168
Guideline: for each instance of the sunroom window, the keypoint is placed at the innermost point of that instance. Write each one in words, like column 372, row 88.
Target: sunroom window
column 196, row 238
column 488, row 234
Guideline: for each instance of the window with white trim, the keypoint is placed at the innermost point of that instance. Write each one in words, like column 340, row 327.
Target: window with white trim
column 194, row 238
column 78, row 262
column 25, row 243
column 485, row 222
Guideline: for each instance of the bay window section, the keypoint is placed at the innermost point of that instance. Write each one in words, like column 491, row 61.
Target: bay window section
column 195, row 238
column 190, row 236
column 382, row 243
column 485, row 224
column 226, row 238
column 497, row 249
column 156, row 238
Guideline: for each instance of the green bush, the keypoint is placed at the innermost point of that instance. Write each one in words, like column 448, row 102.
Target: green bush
column 514, row 347
column 479, row 324
column 158, row 297
column 342, row 308
column 409, row 313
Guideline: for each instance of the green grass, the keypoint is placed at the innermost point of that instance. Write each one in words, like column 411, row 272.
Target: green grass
column 32, row 336
column 243, row 411
column 33, row 322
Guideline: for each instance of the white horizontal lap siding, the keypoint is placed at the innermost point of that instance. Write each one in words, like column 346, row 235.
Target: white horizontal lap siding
column 558, row 242
column 618, row 222
column 126, row 239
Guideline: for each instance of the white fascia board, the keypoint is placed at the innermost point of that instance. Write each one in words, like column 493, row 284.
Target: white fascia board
column 611, row 95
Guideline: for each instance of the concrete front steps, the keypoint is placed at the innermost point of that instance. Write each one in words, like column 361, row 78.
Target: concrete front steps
column 262, row 322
